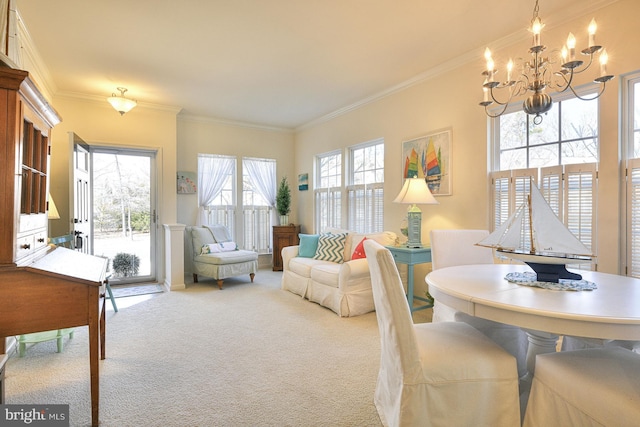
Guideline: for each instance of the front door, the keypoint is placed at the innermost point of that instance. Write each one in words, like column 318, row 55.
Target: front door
column 81, row 194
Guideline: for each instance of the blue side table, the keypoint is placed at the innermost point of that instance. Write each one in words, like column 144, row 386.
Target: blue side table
column 411, row 257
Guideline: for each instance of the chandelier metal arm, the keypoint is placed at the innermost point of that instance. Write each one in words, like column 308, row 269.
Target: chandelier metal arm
column 585, row 98
column 494, row 115
column 498, row 102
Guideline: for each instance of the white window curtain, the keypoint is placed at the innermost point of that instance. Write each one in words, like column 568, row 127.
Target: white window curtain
column 212, row 173
column 262, row 173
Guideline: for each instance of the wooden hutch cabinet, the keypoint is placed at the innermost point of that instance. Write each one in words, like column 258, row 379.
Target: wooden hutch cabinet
column 25, row 122
column 42, row 287
column 283, row 235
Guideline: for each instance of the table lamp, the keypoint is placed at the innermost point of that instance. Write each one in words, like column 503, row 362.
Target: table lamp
column 414, row 191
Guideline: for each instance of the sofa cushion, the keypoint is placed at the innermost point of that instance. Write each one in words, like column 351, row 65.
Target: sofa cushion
column 327, row 274
column 308, row 245
column 223, row 258
column 302, row 266
column 200, row 236
column 331, row 247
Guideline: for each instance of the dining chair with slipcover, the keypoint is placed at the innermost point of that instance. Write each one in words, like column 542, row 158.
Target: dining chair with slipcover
column 458, row 247
column 442, row 374
column 592, row 387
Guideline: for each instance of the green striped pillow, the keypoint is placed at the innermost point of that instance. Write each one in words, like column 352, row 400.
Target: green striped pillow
column 331, row 247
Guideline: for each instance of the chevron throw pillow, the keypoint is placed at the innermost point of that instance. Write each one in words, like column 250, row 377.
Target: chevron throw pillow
column 331, row 247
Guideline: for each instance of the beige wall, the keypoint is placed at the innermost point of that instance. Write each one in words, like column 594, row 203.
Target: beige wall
column 97, row 123
column 198, row 135
column 451, row 100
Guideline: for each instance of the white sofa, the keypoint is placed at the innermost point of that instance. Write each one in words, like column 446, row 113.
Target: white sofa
column 219, row 265
column 345, row 286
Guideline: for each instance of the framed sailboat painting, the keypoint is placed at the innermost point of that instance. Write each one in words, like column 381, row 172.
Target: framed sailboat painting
column 429, row 157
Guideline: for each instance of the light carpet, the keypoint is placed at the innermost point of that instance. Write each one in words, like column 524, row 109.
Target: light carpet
column 247, row 355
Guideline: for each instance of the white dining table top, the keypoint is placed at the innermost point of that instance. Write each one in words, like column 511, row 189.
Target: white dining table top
column 612, row 311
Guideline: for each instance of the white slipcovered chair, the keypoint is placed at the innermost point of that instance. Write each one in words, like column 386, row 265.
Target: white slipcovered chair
column 594, row 387
column 444, row 374
column 458, row 247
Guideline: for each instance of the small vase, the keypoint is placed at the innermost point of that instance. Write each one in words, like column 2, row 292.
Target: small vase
column 284, row 219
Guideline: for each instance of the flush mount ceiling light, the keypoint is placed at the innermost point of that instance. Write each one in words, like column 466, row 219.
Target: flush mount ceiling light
column 120, row 103
column 537, row 74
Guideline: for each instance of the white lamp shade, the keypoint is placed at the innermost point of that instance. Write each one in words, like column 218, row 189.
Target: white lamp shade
column 122, row 104
column 53, row 210
column 415, row 191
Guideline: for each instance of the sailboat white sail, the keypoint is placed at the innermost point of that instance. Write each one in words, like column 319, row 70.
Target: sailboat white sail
column 550, row 242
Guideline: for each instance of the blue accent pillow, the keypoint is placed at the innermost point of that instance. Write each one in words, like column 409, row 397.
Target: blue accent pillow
column 308, row 245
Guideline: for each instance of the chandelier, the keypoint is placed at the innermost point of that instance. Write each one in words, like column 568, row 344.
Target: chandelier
column 537, row 74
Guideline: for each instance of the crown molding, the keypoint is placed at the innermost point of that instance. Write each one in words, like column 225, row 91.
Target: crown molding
column 38, row 70
column 234, row 123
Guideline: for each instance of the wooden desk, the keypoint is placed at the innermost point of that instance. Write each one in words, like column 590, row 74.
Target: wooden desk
column 411, row 257
column 60, row 290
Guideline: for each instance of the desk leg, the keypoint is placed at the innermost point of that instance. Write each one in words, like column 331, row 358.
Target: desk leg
column 94, row 356
column 103, row 330
column 539, row 343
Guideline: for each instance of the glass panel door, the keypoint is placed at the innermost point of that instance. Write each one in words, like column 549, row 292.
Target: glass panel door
column 124, row 222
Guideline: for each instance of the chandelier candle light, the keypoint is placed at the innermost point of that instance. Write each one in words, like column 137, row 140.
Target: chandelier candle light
column 537, row 74
column 414, row 191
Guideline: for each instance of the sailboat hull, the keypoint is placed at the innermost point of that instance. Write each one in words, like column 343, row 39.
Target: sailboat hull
column 552, row 272
column 547, row 268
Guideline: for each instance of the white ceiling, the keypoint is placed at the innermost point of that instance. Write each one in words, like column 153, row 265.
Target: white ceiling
column 280, row 63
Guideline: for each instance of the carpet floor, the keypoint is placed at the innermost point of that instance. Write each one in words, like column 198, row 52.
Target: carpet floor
column 247, row 355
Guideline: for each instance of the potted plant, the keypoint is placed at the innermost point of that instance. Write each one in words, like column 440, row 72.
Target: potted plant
column 126, row 265
column 283, row 201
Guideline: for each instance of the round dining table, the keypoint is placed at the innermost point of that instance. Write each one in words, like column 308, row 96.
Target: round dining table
column 611, row 311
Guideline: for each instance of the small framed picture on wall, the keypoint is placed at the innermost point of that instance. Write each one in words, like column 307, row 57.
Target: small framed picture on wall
column 187, row 182
column 303, row 182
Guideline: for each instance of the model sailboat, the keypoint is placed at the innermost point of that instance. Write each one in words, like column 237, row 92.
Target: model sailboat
column 551, row 244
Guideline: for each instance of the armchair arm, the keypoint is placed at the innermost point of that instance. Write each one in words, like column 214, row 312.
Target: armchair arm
column 289, row 252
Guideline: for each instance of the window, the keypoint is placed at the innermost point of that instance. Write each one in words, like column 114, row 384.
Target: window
column 567, row 135
column 258, row 199
column 216, row 190
column 218, row 196
column 631, row 125
column 365, row 192
column 560, row 154
column 328, row 191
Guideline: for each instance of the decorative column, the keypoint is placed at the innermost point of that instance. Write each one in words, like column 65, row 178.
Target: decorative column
column 174, row 261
